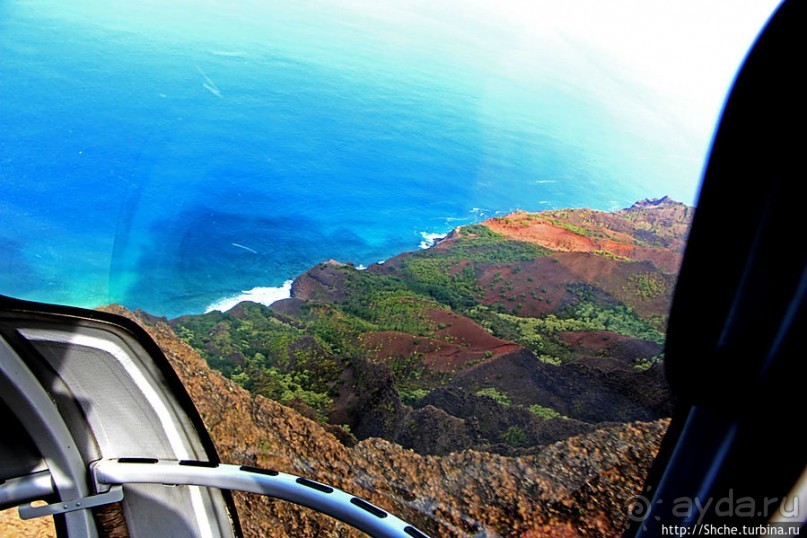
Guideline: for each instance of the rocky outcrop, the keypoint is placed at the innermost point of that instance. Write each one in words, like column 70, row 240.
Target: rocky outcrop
column 501, row 428
column 374, row 408
column 653, row 230
column 595, row 389
column 323, row 283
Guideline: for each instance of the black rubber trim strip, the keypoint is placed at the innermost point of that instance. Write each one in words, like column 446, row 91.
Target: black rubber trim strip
column 194, row 463
column 412, row 531
column 314, row 485
column 258, row 470
column 367, row 507
column 138, row 460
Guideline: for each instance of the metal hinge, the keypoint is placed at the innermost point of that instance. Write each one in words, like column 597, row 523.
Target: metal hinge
column 114, row 494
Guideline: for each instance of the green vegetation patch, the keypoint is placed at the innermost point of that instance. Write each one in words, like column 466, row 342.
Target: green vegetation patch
column 515, row 436
column 444, row 275
column 389, row 304
column 412, row 396
column 544, row 412
column 449, row 282
column 478, row 243
column 402, row 311
column 650, row 285
column 266, row 354
column 336, row 329
column 222, row 339
column 643, row 365
column 536, row 334
column 568, row 226
column 491, row 392
column 593, row 311
column 604, row 313
column 284, row 387
column 611, row 255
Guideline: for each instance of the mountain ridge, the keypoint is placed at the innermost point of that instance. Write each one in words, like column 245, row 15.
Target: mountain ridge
column 499, row 334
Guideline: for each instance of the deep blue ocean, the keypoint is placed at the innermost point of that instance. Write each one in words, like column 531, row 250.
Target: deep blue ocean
column 168, row 155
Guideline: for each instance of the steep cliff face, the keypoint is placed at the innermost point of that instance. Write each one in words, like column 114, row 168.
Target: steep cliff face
column 577, row 487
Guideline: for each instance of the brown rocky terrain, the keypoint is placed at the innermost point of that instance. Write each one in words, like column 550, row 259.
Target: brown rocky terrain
column 458, row 343
column 594, row 389
column 651, row 230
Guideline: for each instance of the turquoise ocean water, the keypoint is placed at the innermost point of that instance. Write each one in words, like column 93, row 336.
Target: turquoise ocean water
column 168, row 155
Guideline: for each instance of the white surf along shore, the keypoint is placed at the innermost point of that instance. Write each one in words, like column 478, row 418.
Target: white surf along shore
column 263, row 295
column 430, row 239
column 268, row 295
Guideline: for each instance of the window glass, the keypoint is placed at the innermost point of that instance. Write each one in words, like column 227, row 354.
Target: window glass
column 458, row 227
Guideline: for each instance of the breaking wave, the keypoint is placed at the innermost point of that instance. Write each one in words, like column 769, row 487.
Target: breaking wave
column 264, row 296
